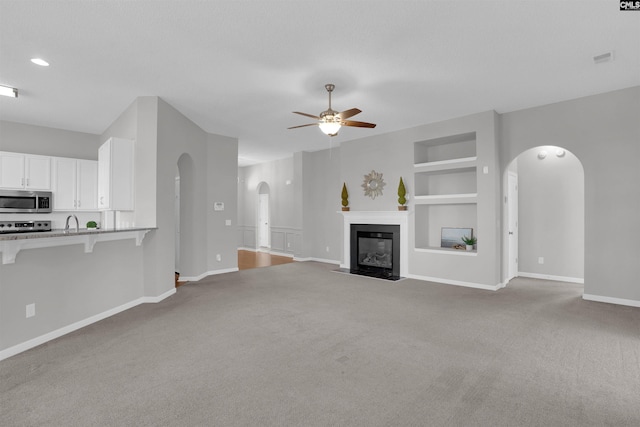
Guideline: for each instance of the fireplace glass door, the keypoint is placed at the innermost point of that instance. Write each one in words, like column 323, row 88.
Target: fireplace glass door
column 375, row 251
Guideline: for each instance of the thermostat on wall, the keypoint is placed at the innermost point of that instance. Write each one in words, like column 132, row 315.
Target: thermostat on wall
column 218, row 206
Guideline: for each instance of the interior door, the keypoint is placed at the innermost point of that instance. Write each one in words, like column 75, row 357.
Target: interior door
column 263, row 221
column 512, row 203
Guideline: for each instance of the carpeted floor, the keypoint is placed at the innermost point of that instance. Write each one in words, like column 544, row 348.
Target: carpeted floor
column 300, row 345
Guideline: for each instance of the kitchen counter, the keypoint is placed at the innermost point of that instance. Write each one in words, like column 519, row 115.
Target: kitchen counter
column 12, row 243
column 64, row 233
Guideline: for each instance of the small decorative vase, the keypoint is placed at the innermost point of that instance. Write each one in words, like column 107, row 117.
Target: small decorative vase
column 402, row 208
column 469, row 247
column 345, row 208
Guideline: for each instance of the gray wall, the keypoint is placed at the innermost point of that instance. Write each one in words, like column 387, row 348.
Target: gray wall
column 22, row 138
column 551, row 214
column 285, row 223
column 322, row 224
column 67, row 286
column 603, row 131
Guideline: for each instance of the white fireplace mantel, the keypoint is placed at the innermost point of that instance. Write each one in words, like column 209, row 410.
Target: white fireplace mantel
column 400, row 218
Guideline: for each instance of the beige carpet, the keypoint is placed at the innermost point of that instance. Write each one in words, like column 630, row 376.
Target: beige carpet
column 299, row 345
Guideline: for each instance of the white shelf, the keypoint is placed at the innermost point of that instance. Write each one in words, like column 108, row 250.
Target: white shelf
column 464, row 162
column 446, row 199
column 447, row 251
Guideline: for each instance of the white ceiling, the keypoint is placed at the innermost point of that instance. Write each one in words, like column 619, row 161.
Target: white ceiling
column 239, row 68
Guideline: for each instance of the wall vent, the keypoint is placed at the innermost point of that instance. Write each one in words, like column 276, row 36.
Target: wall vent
column 605, row 57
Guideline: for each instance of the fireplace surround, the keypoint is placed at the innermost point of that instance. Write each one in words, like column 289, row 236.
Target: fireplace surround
column 399, row 218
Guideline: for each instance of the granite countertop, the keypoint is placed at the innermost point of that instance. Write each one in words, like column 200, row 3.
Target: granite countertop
column 62, row 233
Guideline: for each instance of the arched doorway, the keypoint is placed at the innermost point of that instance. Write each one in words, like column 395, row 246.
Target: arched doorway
column 544, row 216
column 263, row 226
column 184, row 215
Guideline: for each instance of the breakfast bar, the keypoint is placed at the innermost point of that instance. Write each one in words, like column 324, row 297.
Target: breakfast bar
column 12, row 244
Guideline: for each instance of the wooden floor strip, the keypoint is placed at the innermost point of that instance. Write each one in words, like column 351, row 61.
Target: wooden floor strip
column 250, row 259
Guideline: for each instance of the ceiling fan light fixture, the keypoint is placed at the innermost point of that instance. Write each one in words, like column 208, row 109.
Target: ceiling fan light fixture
column 330, row 125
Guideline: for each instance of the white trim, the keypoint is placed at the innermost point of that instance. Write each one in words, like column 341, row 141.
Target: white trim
column 457, row 282
column 452, row 162
column 551, row 277
column 447, row 251
column 154, row 300
column 34, row 342
column 446, row 199
column 326, row 261
column 207, row 273
column 611, row 300
column 271, row 252
column 278, row 253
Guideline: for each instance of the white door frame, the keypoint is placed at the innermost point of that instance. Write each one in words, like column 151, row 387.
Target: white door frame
column 512, row 225
column 263, row 220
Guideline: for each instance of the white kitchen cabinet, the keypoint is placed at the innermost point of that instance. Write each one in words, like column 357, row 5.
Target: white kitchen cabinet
column 75, row 184
column 25, row 171
column 115, row 175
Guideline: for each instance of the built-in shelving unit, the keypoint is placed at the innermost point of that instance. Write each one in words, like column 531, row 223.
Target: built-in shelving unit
column 445, row 182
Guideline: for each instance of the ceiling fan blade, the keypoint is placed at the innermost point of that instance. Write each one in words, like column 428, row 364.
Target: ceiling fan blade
column 301, row 126
column 358, row 124
column 308, row 115
column 349, row 113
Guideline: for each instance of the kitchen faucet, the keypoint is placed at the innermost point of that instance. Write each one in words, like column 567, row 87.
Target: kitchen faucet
column 66, row 226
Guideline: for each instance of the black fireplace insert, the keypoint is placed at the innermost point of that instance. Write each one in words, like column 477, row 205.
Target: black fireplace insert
column 375, row 250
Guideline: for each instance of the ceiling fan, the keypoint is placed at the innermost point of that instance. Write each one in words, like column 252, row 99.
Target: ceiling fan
column 330, row 120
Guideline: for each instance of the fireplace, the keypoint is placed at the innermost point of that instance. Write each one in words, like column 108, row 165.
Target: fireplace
column 375, row 250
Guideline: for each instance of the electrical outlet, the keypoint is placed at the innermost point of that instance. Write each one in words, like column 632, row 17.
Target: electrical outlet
column 31, row 310
column 227, row 222
column 218, row 257
column 540, row 260
column 327, row 248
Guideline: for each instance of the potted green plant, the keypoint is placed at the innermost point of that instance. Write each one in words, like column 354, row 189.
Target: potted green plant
column 469, row 241
column 345, row 197
column 92, row 224
column 402, row 200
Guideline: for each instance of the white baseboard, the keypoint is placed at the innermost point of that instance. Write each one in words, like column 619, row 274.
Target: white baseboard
column 19, row 348
column 611, row 300
column 326, row 261
column 207, row 273
column 551, row 277
column 159, row 297
column 288, row 255
column 270, row 252
column 457, row 282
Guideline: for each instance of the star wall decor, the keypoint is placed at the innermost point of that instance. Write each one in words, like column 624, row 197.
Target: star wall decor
column 373, row 184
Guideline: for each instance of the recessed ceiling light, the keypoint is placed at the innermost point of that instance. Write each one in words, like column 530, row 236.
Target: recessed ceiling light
column 9, row 91
column 39, row 61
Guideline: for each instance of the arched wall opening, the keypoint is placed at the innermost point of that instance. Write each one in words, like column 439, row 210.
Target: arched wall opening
column 185, row 213
column 544, row 229
column 263, row 228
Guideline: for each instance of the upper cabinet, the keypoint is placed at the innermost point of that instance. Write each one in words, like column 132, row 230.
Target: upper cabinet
column 25, row 171
column 75, row 184
column 115, row 175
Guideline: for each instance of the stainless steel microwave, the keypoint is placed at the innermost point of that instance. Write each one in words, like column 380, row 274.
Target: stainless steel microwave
column 18, row 201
